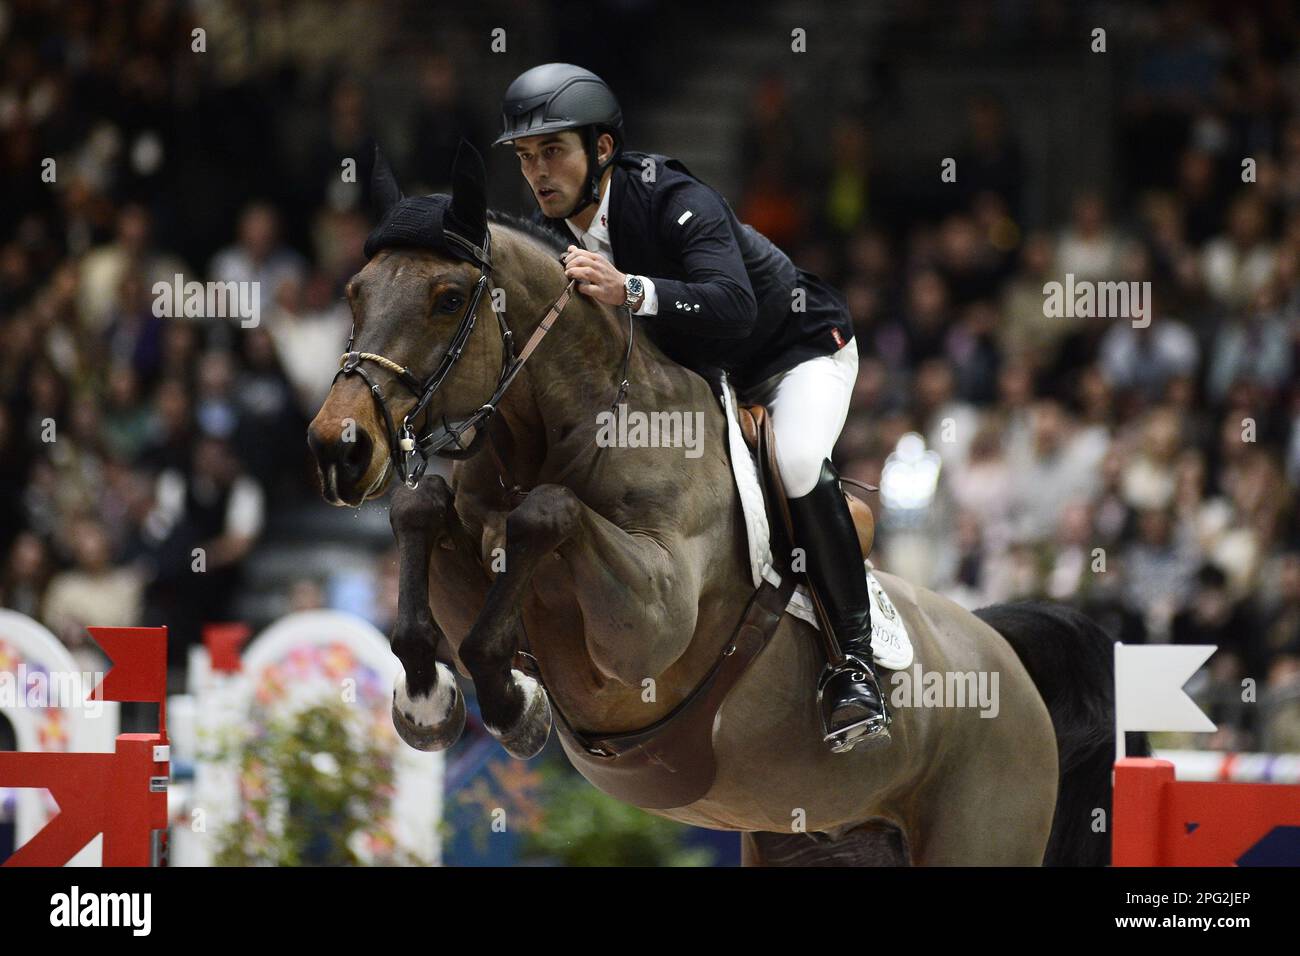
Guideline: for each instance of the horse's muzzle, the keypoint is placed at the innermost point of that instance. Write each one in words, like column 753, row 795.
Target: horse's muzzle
column 343, row 464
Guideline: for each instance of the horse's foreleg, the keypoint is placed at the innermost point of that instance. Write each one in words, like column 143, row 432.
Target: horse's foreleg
column 514, row 706
column 638, row 609
column 428, row 707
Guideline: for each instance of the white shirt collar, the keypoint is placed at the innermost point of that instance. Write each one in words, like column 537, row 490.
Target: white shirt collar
column 599, row 230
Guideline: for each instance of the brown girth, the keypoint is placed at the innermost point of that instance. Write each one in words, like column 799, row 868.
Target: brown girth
column 671, row 763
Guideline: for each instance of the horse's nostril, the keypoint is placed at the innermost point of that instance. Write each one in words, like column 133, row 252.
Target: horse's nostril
column 319, row 446
column 351, row 458
column 356, row 456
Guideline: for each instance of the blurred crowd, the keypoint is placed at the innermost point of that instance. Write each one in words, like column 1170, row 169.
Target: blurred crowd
column 1146, row 474
column 141, row 455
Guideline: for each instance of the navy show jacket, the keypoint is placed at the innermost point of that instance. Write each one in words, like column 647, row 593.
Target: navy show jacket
column 725, row 290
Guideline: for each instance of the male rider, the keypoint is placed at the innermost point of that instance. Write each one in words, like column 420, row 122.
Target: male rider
column 715, row 293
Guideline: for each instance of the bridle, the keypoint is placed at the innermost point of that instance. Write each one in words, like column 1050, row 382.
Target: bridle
column 404, row 443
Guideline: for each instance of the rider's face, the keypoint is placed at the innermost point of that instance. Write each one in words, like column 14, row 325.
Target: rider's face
column 555, row 165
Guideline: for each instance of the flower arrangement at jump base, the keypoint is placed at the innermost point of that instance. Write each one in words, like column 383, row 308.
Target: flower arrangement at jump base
column 315, row 793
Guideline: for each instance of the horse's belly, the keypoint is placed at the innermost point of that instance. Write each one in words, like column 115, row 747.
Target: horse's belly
column 774, row 772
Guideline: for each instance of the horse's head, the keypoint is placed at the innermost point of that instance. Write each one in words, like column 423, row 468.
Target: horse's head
column 426, row 353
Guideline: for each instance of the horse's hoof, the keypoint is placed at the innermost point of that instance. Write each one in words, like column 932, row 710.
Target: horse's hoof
column 434, row 722
column 527, row 738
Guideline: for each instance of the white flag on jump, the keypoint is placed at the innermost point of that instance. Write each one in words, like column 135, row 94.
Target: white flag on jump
column 1149, row 681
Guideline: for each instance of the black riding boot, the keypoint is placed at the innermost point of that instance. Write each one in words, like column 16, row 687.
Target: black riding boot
column 848, row 693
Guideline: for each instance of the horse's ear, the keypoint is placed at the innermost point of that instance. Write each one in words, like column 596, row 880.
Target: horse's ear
column 469, row 192
column 384, row 191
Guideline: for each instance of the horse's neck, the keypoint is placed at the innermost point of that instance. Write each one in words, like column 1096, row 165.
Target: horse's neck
column 573, row 375
column 550, row 420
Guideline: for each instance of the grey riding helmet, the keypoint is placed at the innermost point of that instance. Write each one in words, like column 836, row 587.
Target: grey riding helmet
column 560, row 96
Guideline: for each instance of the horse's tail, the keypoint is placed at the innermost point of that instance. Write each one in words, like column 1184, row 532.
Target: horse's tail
column 1071, row 660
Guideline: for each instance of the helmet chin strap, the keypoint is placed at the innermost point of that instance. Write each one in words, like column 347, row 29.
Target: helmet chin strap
column 591, row 195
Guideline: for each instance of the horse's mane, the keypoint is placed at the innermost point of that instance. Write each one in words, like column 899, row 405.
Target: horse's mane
column 550, row 242
column 533, row 230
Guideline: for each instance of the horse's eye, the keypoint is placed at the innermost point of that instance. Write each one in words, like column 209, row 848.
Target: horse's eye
column 451, row 303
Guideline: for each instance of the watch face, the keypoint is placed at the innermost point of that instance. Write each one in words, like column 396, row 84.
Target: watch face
column 634, row 286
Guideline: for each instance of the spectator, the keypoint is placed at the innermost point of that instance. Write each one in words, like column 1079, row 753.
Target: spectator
column 131, row 253
column 94, row 591
column 309, row 333
column 972, row 347
column 926, row 318
column 1090, row 249
column 258, row 255
column 1158, row 570
column 271, row 426
column 1211, row 616
column 949, row 423
column 1025, row 329
column 204, row 523
column 988, row 156
column 134, row 335
column 1145, row 360
column 1255, row 346
column 1074, row 565
column 170, row 428
column 1149, row 474
column 1060, row 464
column 1281, row 730
column 1238, row 264
column 127, row 420
column 25, row 576
column 982, row 487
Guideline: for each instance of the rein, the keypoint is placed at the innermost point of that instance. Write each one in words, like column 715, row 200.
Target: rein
column 404, row 443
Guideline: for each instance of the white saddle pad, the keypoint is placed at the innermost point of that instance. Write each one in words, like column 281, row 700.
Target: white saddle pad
column 890, row 645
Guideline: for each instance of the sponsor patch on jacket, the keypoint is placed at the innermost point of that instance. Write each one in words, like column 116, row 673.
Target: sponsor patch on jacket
column 681, row 220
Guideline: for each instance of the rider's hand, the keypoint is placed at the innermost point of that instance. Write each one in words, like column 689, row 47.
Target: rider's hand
column 596, row 276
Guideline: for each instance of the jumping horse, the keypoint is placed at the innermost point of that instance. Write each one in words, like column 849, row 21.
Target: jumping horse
column 609, row 587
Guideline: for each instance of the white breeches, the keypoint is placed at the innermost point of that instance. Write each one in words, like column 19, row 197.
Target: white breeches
column 808, row 405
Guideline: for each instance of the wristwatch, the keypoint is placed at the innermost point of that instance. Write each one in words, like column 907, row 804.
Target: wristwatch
column 635, row 292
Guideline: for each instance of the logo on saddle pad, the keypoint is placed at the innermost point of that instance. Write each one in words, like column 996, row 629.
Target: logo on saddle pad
column 882, row 599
